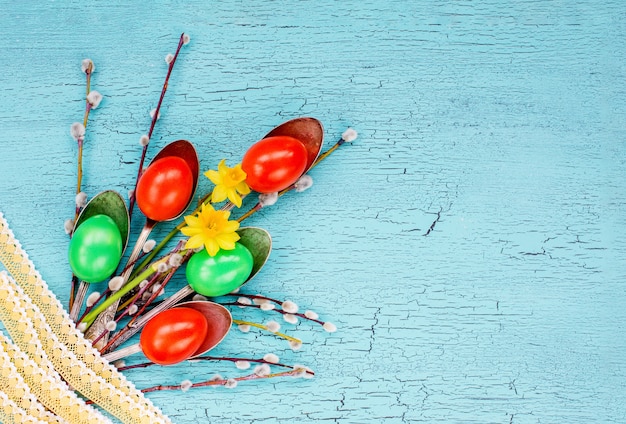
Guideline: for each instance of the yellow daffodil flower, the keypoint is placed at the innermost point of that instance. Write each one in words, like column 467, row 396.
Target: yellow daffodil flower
column 211, row 229
column 229, row 183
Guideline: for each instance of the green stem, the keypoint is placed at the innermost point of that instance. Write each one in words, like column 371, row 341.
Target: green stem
column 93, row 314
column 146, row 260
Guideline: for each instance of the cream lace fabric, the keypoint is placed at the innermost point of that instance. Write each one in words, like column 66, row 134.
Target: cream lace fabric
column 12, row 360
column 47, row 348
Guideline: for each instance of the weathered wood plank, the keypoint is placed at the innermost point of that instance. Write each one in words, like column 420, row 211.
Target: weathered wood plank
column 468, row 246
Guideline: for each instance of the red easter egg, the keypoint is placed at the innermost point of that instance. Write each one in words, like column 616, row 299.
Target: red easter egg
column 165, row 188
column 173, row 335
column 274, row 163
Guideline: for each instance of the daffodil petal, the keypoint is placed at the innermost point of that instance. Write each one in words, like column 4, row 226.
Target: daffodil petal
column 207, row 209
column 234, row 197
column 194, row 242
column 230, row 227
column 219, row 194
column 211, row 228
column 214, row 176
column 226, row 244
column 229, row 237
column 190, row 231
column 192, row 221
column 212, row 247
column 243, row 188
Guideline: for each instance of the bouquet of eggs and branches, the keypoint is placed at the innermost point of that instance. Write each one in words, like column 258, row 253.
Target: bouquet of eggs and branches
column 116, row 295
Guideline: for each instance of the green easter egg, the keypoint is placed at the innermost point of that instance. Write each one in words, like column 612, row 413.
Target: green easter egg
column 220, row 274
column 95, row 249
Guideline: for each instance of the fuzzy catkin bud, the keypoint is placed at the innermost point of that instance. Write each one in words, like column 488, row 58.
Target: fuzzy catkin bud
column 244, row 328
column 148, row 246
column 295, row 345
column 68, row 226
column 94, row 98
column 169, row 58
column 116, row 283
column 81, row 200
column 302, row 371
column 111, row 325
column 87, row 65
column 231, row 383
column 186, row 39
column 242, row 365
column 92, row 299
column 290, row 318
column 273, row 326
column 262, row 370
column 175, row 260
column 290, row 307
column 304, row 183
column 162, row 267
column 243, row 301
column 77, row 131
column 299, row 371
column 311, row 315
column 349, row 135
column 271, row 357
column 268, row 199
column 267, row 306
column 144, row 140
column 199, row 297
column 185, row 385
column 132, row 309
column 329, row 327
column 156, row 288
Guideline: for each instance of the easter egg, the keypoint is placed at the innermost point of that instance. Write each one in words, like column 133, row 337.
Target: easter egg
column 95, row 249
column 173, row 335
column 164, row 189
column 274, row 163
column 220, row 274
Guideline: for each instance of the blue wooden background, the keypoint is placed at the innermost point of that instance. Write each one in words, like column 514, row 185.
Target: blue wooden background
column 499, row 124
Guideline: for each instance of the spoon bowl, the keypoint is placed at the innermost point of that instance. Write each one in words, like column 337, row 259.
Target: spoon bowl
column 309, row 131
column 108, row 203
column 219, row 321
column 175, row 165
column 186, row 151
column 259, row 242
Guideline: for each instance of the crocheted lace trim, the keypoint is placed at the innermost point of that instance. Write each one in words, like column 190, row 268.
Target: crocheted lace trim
column 42, row 329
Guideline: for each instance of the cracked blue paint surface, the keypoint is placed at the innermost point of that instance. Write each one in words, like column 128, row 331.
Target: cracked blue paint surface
column 469, row 245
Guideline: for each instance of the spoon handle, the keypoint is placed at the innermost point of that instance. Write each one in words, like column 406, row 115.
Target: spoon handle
column 79, row 297
column 141, row 240
column 122, row 353
column 99, row 325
